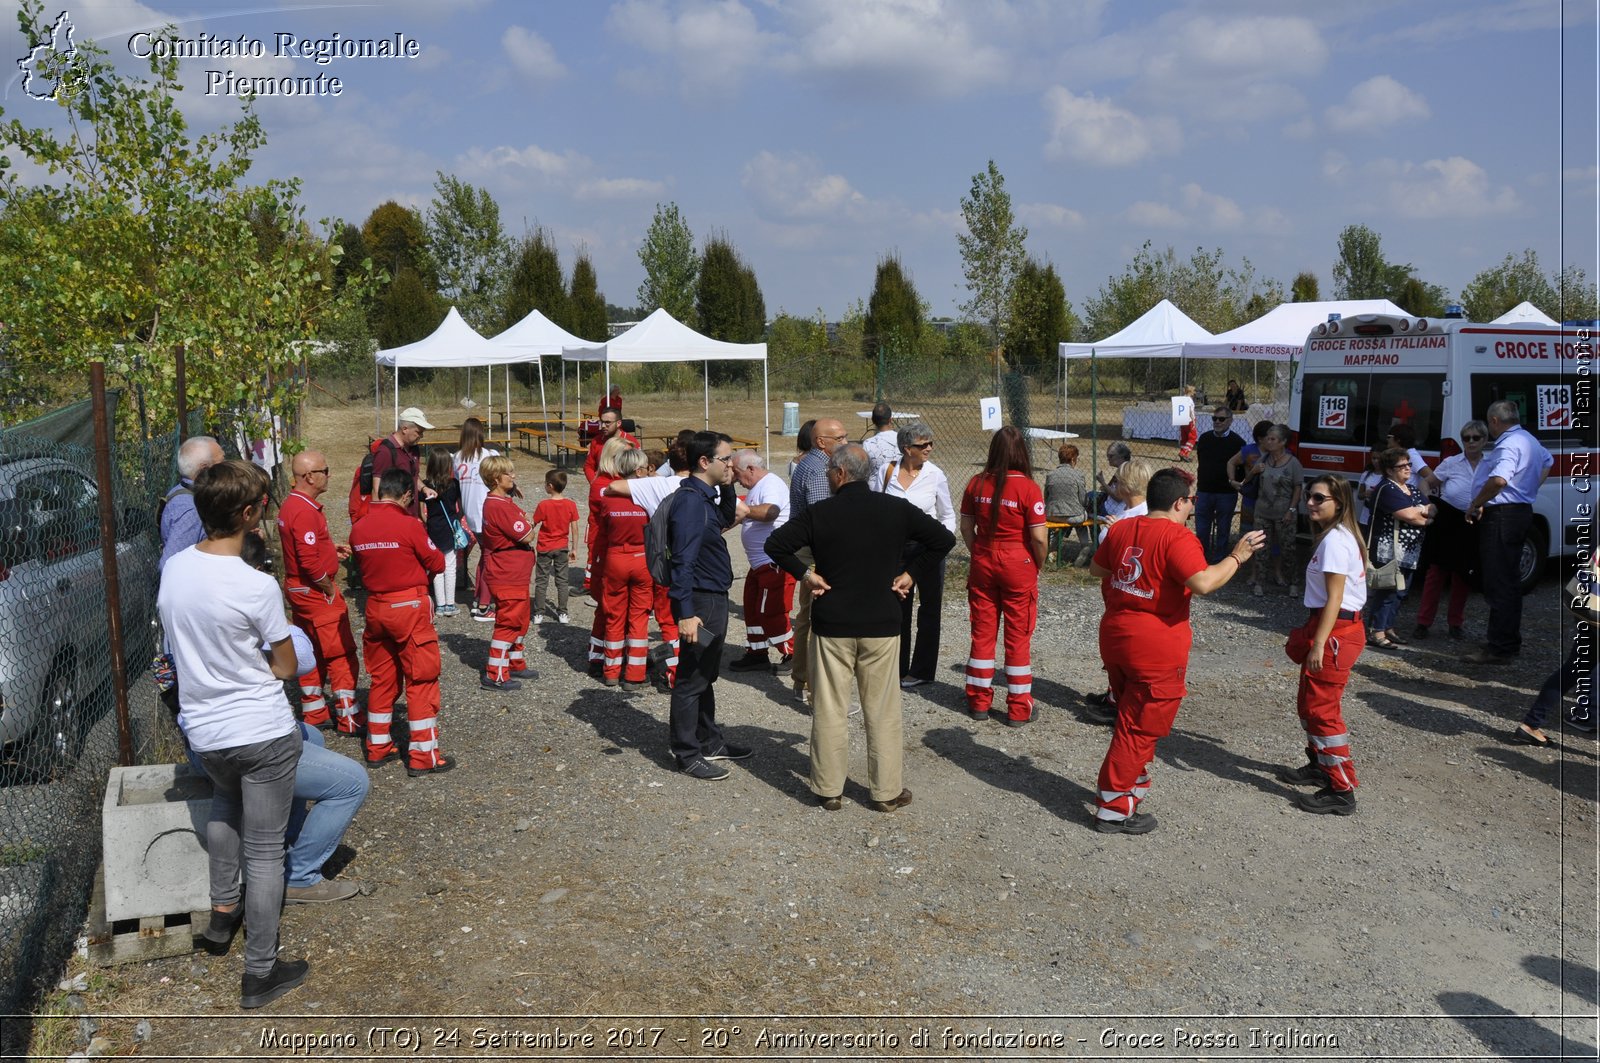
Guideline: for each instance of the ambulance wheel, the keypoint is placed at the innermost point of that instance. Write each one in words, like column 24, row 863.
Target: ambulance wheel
column 1530, row 561
column 60, row 735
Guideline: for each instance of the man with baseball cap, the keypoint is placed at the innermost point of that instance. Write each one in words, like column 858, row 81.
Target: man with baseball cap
column 402, row 452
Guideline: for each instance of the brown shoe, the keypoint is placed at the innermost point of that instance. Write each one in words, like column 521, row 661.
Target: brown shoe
column 895, row 804
column 830, row 804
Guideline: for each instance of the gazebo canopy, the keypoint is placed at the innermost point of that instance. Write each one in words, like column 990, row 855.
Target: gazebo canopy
column 536, row 336
column 1280, row 334
column 1524, row 313
column 453, row 344
column 663, row 338
column 1159, row 332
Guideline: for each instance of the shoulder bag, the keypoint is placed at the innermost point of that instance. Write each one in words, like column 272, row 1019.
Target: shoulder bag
column 1385, row 577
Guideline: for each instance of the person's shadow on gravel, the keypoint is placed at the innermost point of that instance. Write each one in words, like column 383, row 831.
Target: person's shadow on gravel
column 1435, row 719
column 1573, row 977
column 1189, row 751
column 1017, row 774
column 471, row 653
column 1508, row 1034
column 1575, row 777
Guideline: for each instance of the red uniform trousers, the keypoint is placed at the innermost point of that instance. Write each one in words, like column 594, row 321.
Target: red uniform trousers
column 1190, row 435
column 590, row 565
column 1148, row 694
column 402, row 653
column 511, row 613
column 768, row 597
column 327, row 625
column 669, row 632
column 1327, row 740
column 628, row 594
column 1432, row 589
column 1002, row 583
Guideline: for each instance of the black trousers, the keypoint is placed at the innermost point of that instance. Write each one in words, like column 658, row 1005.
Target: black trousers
column 694, row 695
column 927, row 601
column 1500, row 535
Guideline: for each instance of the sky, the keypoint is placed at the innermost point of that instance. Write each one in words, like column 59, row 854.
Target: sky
column 821, row 135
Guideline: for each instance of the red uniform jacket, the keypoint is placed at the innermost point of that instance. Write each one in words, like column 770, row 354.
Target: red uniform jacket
column 507, row 560
column 308, row 553
column 394, row 550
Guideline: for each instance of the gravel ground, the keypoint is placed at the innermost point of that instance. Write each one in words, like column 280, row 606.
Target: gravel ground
column 564, row 870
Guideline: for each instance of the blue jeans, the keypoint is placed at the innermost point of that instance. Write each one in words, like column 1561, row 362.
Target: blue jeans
column 1213, row 521
column 1388, row 607
column 338, row 785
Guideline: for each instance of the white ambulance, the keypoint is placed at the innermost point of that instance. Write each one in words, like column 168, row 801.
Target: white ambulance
column 1362, row 374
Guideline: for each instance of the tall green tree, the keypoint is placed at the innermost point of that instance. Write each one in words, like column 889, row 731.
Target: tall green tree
column 535, row 282
column 1361, row 271
column 470, row 248
column 894, row 311
column 586, row 306
column 671, row 267
column 355, row 256
column 1305, row 288
column 1417, row 297
column 1040, row 316
column 405, row 310
column 1497, row 289
column 1575, row 295
column 728, row 303
column 397, row 238
column 1218, row 297
column 145, row 237
column 991, row 254
column 752, row 306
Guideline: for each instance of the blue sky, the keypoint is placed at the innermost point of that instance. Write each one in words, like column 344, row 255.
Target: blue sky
column 821, row 134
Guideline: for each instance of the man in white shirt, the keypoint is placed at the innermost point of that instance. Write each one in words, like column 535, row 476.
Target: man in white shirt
column 768, row 590
column 884, row 446
column 1504, row 487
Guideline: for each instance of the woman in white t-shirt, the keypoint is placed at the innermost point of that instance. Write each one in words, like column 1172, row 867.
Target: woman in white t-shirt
column 919, row 481
column 469, row 454
column 1326, row 646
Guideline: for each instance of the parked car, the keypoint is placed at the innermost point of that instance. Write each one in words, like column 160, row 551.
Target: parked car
column 54, row 636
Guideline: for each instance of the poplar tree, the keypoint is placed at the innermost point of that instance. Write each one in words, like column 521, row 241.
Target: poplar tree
column 894, row 311
column 991, row 254
column 586, row 306
column 671, row 266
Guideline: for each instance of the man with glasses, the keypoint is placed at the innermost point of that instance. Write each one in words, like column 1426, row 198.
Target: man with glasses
column 1215, row 497
column 310, row 564
column 809, row 484
column 1505, row 485
column 401, row 451
column 610, row 425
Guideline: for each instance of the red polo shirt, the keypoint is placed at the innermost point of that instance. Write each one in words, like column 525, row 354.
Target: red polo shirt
column 507, row 560
column 308, row 553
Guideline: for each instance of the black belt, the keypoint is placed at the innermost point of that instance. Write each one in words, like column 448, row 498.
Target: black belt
column 1344, row 614
column 1490, row 508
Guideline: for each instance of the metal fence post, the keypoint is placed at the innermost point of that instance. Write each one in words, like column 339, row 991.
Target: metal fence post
column 108, row 559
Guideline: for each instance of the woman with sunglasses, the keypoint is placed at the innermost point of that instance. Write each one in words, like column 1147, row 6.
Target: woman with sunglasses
column 1400, row 516
column 1450, row 551
column 1326, row 647
column 922, row 483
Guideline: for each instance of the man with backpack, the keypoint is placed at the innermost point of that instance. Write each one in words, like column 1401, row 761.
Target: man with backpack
column 397, row 451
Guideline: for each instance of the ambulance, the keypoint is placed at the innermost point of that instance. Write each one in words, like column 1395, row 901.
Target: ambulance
column 1362, row 374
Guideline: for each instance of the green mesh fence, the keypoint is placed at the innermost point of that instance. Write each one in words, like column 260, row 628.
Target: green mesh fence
column 57, row 716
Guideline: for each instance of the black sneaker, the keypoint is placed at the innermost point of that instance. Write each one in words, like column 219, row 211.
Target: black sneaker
column 1101, row 714
column 751, row 662
column 262, row 989
column 629, row 686
column 1138, row 823
column 1419, row 632
column 728, row 751
column 218, row 935
column 1330, row 802
column 1304, row 775
column 499, row 684
column 704, row 770
column 785, row 665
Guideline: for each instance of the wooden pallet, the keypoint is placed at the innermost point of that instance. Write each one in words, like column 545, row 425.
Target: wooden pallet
column 136, row 940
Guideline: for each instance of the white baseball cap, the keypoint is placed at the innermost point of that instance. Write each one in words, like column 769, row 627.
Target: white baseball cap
column 414, row 415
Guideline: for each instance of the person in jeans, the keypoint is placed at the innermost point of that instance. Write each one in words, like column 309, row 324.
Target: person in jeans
column 702, row 572
column 218, row 612
column 1215, row 495
column 554, row 516
column 1400, row 514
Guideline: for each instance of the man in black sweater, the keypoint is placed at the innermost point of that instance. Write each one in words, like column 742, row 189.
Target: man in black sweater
column 858, row 538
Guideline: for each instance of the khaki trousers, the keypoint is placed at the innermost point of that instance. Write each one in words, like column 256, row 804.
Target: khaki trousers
column 801, row 665
column 873, row 666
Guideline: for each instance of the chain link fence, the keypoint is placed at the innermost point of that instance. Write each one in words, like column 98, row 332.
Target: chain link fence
column 57, row 704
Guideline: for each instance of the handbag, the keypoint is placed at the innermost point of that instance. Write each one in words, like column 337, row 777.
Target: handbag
column 458, row 534
column 1385, row 577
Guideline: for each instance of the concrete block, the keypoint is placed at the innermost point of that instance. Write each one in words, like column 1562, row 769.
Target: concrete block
column 154, row 823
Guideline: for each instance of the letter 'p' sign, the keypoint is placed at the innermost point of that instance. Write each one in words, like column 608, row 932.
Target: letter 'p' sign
column 991, row 413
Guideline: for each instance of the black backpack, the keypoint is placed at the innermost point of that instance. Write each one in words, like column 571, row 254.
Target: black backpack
column 364, row 473
column 658, row 541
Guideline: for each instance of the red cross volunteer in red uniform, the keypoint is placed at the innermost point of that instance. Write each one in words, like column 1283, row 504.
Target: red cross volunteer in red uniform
column 626, row 589
column 1147, row 567
column 402, row 648
column 310, row 568
column 508, row 555
column 1003, row 525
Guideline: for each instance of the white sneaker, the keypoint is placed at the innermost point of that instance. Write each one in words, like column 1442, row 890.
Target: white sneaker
column 562, row 618
column 538, row 618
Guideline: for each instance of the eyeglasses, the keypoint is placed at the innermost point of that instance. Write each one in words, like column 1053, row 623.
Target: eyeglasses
column 842, row 436
column 1317, row 499
column 1472, row 439
column 727, row 460
column 1403, row 465
column 609, row 424
column 1220, row 420
column 318, row 472
column 920, row 446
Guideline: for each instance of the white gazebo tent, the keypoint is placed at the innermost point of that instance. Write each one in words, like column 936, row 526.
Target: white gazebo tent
column 1524, row 313
column 454, row 344
column 533, row 339
column 1160, row 332
column 662, row 338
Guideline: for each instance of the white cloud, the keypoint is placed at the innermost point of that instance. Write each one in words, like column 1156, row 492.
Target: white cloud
column 1096, row 131
column 529, row 160
column 1212, row 210
column 619, row 188
column 714, row 42
column 792, row 188
column 1377, row 103
column 531, row 54
column 1454, row 188
column 1195, row 208
column 1581, row 175
column 924, row 47
column 1039, row 215
column 1155, row 215
column 567, row 172
column 1300, row 129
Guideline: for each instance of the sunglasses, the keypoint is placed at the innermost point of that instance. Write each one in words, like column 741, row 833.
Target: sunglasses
column 1318, row 499
column 1220, row 420
column 920, row 446
column 1472, row 439
column 315, row 472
